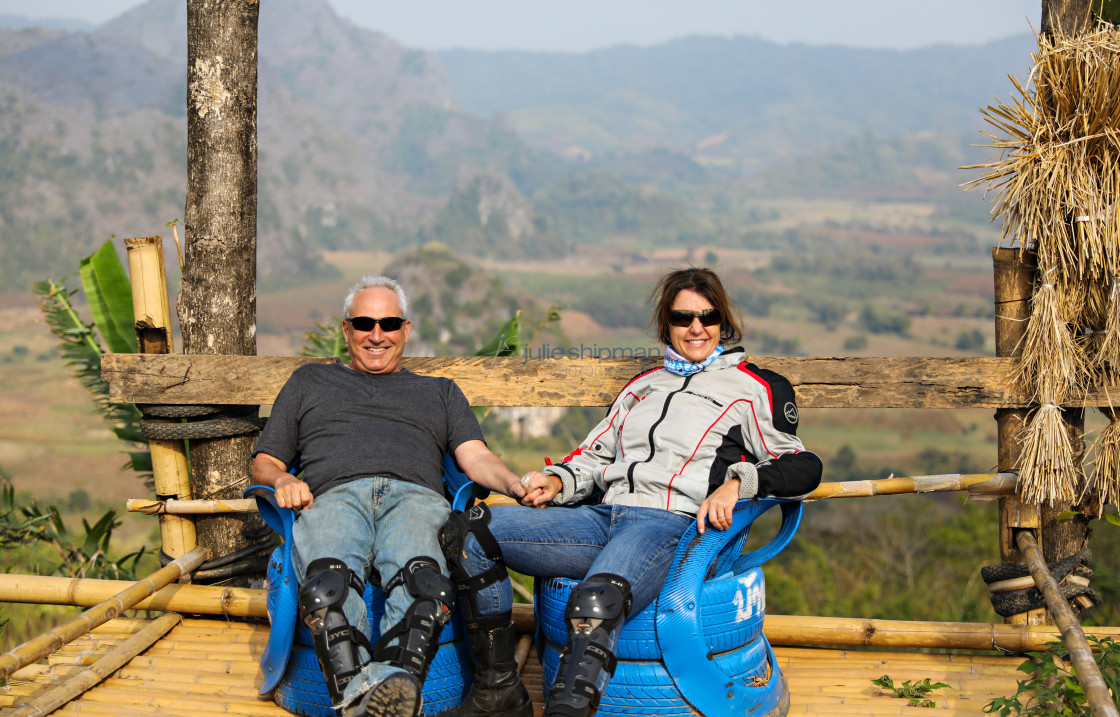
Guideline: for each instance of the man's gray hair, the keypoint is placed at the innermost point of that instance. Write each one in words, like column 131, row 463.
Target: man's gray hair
column 370, row 281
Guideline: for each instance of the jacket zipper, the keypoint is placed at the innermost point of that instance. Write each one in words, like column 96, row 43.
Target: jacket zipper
column 664, row 411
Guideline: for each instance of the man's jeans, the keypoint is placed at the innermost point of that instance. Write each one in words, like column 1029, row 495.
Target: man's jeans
column 635, row 543
column 371, row 522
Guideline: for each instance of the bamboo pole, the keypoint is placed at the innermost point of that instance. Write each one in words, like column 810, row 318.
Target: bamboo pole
column 780, row 629
column 83, row 592
column 114, row 659
column 38, row 647
column 1088, row 673
column 855, row 632
column 977, row 484
column 191, row 507
column 521, row 653
column 152, row 312
column 1014, row 284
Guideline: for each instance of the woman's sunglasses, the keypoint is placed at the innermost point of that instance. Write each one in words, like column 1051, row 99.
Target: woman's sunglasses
column 683, row 319
column 388, row 323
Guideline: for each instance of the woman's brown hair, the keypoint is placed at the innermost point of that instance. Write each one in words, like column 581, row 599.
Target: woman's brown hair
column 704, row 282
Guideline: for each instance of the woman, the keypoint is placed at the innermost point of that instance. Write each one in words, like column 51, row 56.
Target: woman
column 681, row 443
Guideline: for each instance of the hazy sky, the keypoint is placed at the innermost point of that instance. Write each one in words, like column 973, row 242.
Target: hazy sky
column 578, row 25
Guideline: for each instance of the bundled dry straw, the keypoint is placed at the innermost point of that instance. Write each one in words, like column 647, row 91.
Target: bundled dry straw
column 1057, row 184
column 1106, row 461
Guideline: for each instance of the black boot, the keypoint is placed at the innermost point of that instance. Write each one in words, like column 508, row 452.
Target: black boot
column 595, row 613
column 497, row 690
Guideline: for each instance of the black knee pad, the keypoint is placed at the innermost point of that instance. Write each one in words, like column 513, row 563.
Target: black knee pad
column 418, row 631
column 336, row 641
column 594, row 614
column 452, row 538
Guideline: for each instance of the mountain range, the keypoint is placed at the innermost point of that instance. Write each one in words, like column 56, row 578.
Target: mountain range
column 365, row 143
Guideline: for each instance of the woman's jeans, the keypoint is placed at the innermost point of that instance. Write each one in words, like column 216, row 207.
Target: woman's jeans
column 637, row 544
column 366, row 523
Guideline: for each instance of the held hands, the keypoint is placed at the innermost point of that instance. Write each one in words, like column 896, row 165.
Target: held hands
column 538, row 489
column 719, row 506
column 293, row 493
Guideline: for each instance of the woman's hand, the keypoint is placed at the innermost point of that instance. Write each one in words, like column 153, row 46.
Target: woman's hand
column 719, row 506
column 540, row 489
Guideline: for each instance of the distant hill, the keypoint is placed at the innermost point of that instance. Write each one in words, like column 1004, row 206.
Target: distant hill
column 365, row 143
column 738, row 102
column 351, row 125
column 53, row 23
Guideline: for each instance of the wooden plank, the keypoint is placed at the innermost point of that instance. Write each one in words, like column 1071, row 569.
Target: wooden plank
column 196, row 379
column 891, row 382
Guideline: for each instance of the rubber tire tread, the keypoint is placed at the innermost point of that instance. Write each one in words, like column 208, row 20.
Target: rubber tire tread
column 209, row 428
column 1016, row 602
column 718, row 613
column 996, row 573
column 159, row 410
column 746, row 662
column 303, row 690
column 637, row 688
column 638, row 638
column 636, row 641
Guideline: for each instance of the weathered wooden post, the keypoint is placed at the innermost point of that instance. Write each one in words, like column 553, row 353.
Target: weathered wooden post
column 152, row 313
column 218, row 297
column 1014, row 281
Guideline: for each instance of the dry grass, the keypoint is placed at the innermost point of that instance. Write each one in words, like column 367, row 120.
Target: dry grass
column 1047, row 472
column 1056, row 183
column 1106, row 461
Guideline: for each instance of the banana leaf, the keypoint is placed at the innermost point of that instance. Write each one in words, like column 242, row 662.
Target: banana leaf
column 326, row 339
column 507, row 342
column 109, row 293
column 82, row 352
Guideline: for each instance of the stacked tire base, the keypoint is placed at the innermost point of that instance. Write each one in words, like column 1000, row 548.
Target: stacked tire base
column 641, row 684
column 303, row 691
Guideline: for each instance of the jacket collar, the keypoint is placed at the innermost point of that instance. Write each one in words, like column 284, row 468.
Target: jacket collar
column 731, row 357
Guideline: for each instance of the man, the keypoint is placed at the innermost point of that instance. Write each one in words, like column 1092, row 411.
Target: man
column 370, row 438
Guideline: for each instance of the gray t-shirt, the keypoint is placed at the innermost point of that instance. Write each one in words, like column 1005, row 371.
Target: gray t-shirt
column 346, row 424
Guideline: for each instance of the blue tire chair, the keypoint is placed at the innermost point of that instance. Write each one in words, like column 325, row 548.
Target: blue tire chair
column 698, row 649
column 289, row 667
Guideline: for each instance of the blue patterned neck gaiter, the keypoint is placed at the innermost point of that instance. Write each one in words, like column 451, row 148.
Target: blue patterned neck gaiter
column 681, row 366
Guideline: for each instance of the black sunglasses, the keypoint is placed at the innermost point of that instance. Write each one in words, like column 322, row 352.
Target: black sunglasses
column 388, row 323
column 683, row 319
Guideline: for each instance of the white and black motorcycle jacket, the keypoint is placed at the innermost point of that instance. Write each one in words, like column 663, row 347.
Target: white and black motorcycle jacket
column 668, row 440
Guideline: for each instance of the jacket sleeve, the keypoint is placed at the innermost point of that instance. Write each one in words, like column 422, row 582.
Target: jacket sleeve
column 582, row 470
column 785, row 469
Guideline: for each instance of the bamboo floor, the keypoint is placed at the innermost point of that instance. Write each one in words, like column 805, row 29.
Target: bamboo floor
column 207, row 666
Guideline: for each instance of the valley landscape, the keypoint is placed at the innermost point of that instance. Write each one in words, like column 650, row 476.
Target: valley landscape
column 821, row 182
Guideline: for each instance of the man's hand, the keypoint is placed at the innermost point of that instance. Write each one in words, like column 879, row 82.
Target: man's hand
column 719, row 506
column 291, row 492
column 540, row 489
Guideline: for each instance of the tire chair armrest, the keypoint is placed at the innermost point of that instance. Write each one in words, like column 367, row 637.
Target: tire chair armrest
column 283, row 596
column 463, row 491
column 680, row 631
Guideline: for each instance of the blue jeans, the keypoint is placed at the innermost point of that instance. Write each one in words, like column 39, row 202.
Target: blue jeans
column 635, row 543
column 369, row 523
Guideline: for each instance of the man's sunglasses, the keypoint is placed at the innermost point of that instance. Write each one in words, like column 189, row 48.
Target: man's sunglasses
column 683, row 319
column 388, row 323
